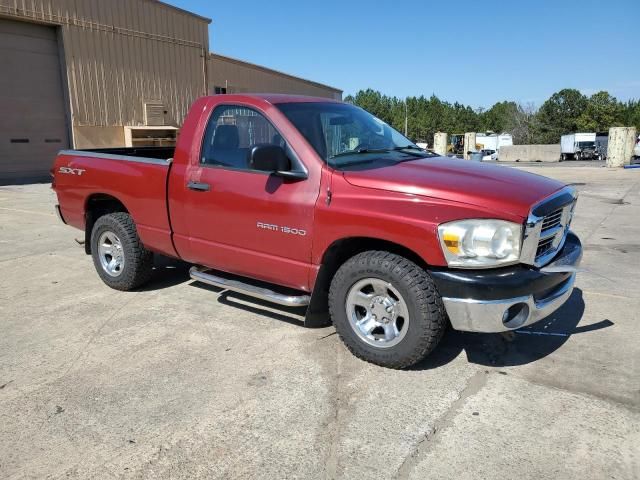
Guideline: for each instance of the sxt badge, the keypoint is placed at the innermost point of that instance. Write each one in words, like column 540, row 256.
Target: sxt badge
column 72, row 171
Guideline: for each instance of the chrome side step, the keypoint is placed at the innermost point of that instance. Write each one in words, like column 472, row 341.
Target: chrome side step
column 201, row 275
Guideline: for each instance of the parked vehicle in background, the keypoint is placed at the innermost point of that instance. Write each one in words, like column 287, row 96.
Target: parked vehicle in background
column 488, row 155
column 316, row 203
column 584, row 146
column 587, row 151
column 602, row 144
column 636, row 150
column 456, row 144
column 493, row 141
column 424, row 146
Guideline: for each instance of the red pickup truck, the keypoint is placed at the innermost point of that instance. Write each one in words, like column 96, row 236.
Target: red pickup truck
column 310, row 202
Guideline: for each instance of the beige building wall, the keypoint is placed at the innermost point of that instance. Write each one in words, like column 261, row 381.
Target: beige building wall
column 98, row 137
column 135, row 63
column 237, row 76
column 119, row 55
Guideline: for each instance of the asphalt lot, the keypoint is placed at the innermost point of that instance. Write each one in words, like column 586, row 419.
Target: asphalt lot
column 180, row 381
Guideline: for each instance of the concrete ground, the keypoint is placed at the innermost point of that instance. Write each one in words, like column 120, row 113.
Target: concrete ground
column 179, row 381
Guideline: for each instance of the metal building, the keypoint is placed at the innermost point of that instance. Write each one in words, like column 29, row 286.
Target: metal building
column 230, row 75
column 103, row 73
column 77, row 73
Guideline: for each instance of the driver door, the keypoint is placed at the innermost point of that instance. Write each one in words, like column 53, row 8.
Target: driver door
column 245, row 221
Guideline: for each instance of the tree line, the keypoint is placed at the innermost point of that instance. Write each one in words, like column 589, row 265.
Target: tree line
column 564, row 112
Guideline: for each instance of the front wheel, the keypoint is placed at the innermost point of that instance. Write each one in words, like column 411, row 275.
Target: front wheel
column 118, row 254
column 386, row 309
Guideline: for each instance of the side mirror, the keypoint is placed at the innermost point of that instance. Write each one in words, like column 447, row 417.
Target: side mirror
column 273, row 159
column 269, row 158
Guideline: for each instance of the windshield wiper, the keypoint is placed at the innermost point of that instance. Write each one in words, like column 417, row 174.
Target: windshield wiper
column 414, row 148
column 409, row 147
column 360, row 151
column 424, row 153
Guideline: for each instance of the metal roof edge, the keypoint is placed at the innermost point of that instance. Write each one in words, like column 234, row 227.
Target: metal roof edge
column 267, row 69
column 182, row 10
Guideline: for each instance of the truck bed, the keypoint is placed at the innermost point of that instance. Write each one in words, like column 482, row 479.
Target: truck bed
column 135, row 177
column 160, row 153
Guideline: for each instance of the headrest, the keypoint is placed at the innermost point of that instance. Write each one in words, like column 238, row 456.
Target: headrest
column 226, row 136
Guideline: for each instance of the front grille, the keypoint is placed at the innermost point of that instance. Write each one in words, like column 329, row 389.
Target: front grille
column 553, row 230
column 544, row 246
column 546, row 227
column 552, row 220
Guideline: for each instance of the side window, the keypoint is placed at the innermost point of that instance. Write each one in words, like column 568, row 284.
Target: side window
column 231, row 134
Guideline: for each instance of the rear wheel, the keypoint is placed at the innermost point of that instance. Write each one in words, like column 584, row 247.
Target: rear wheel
column 386, row 309
column 118, row 255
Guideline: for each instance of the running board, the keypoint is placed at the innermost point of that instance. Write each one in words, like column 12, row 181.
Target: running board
column 265, row 294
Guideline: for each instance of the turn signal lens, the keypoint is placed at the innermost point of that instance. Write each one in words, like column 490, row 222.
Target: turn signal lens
column 452, row 242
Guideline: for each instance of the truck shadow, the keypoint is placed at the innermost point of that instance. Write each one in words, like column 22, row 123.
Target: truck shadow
column 167, row 272
column 520, row 347
column 515, row 348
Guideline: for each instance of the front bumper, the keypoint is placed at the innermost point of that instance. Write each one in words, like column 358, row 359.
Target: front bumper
column 499, row 300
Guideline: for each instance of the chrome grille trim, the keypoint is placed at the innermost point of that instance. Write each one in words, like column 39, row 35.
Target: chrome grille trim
column 544, row 236
column 550, row 232
column 552, row 220
column 544, row 246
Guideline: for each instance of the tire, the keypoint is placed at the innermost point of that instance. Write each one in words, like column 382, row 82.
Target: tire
column 577, row 157
column 562, row 157
column 129, row 264
column 382, row 280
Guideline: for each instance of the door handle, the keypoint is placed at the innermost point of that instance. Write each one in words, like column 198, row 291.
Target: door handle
column 199, row 187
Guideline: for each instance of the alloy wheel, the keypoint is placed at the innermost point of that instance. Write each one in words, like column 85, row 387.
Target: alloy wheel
column 377, row 312
column 111, row 253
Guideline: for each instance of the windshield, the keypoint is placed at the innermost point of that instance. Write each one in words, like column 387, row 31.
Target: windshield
column 344, row 135
column 586, row 144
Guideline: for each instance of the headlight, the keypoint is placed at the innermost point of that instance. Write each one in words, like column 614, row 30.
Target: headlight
column 480, row 243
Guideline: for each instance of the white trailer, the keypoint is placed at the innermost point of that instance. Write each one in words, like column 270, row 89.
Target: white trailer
column 487, row 142
column 493, row 141
column 573, row 145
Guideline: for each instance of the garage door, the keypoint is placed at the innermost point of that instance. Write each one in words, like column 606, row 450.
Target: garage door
column 33, row 124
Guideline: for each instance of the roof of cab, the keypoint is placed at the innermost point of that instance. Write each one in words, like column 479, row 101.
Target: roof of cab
column 275, row 98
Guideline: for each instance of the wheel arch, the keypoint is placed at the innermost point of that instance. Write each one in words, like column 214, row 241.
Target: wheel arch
column 334, row 256
column 97, row 205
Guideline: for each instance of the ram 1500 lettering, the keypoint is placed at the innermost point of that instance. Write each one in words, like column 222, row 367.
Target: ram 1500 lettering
column 311, row 202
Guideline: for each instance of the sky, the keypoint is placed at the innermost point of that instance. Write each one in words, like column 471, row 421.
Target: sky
column 474, row 52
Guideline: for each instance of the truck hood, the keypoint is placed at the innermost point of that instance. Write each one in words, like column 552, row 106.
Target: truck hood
column 493, row 187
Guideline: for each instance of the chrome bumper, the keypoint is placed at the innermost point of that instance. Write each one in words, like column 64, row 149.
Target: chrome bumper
column 508, row 314
column 503, row 314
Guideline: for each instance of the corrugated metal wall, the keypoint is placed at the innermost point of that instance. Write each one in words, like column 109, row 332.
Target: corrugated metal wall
column 241, row 77
column 119, row 54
